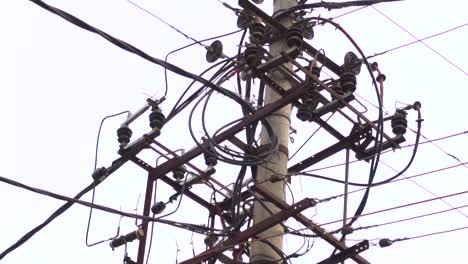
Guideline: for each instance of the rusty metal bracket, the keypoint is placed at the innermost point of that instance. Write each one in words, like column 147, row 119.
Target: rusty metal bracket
column 311, row 225
column 347, row 253
column 342, row 144
column 243, row 236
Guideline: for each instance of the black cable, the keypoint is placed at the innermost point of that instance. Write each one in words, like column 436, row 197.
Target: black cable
column 189, row 45
column 193, row 227
column 130, row 48
column 177, row 109
column 94, row 169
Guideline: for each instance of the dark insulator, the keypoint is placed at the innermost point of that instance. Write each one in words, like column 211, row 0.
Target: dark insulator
column 257, row 32
column 214, row 51
column 251, row 55
column 158, row 208
column 294, row 37
column 210, row 159
column 348, row 82
column 178, row 173
column 385, row 242
column 123, row 135
column 399, row 122
column 157, row 118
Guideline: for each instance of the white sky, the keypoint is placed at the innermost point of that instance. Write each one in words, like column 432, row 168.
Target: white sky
column 58, row 81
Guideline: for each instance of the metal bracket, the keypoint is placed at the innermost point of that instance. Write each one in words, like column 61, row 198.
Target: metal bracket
column 347, row 253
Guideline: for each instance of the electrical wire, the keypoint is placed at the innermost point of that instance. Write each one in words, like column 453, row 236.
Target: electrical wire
column 417, row 41
column 163, row 21
column 187, row 46
column 404, row 219
column 400, row 206
column 310, row 137
column 422, row 42
column 94, row 169
column 193, row 227
column 126, row 46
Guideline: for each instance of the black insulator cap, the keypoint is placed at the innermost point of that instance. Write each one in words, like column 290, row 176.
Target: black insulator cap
column 158, row 208
column 316, row 71
column 417, row 105
column 99, row 173
column 374, row 66
column 157, row 119
column 214, row 51
column 303, row 113
column 251, row 55
column 210, row 240
column 381, row 77
column 178, row 173
column 294, row 37
column 399, row 122
column 385, row 242
column 210, row 159
column 128, row 260
column 122, row 240
column 257, row 32
column 123, row 135
column 243, row 21
column 348, row 82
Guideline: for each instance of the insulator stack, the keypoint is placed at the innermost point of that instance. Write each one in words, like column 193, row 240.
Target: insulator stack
column 157, row 118
column 257, row 32
column 210, row 159
column 348, row 82
column 123, row 135
column 310, row 100
column 294, row 37
column 251, row 55
column 179, row 173
column 399, row 122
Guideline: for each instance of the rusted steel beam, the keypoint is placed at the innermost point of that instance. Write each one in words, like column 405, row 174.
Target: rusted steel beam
column 243, row 236
column 308, row 223
column 342, row 144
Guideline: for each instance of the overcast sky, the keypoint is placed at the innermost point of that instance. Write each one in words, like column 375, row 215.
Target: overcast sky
column 58, row 81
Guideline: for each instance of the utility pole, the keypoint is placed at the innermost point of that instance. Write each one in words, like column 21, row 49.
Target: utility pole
column 267, row 251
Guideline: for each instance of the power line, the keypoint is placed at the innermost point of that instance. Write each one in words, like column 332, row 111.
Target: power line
column 417, row 41
column 422, row 42
column 163, row 21
column 427, row 190
column 405, row 219
column 406, row 146
column 400, row 206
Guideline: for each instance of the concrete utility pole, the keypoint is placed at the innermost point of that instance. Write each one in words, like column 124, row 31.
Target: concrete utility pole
column 263, row 252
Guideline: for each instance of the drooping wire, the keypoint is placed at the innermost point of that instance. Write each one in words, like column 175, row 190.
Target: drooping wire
column 94, row 169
